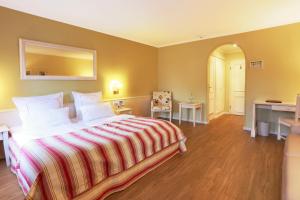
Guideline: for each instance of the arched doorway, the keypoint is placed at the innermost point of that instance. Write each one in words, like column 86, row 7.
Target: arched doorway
column 226, row 81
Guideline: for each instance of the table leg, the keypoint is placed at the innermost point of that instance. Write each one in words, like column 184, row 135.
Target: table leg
column 179, row 114
column 194, row 117
column 200, row 110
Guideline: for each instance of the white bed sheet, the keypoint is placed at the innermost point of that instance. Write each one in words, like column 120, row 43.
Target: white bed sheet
column 21, row 136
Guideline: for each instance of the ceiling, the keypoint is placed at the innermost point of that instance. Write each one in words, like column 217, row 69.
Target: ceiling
column 164, row 22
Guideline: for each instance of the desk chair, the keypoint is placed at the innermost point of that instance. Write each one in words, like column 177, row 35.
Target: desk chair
column 289, row 122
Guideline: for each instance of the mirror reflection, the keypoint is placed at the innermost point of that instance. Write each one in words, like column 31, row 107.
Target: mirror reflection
column 50, row 61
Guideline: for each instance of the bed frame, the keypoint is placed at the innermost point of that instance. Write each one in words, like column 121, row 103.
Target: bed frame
column 116, row 182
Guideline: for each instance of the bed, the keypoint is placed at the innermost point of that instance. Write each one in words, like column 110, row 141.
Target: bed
column 91, row 160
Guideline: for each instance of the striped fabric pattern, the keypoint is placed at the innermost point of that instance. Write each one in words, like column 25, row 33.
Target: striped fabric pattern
column 67, row 165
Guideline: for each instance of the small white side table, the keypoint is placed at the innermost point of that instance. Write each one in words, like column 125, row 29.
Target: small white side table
column 4, row 137
column 123, row 110
column 194, row 107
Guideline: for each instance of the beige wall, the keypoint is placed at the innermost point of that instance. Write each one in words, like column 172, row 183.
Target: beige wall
column 134, row 64
column 183, row 68
column 142, row 69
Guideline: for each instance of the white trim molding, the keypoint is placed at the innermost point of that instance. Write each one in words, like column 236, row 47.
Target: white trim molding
column 125, row 98
column 248, row 129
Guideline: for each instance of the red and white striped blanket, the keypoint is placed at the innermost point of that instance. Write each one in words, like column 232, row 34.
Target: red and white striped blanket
column 66, row 165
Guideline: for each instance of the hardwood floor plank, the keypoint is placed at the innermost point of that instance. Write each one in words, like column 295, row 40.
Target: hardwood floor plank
column 222, row 162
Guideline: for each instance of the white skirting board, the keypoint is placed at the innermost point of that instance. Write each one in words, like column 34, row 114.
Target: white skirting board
column 247, row 129
column 271, row 132
column 184, row 119
column 214, row 116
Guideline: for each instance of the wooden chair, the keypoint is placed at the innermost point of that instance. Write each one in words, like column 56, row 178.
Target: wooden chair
column 162, row 103
column 289, row 122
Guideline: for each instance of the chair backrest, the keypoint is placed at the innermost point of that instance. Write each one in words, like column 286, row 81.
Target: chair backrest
column 297, row 114
column 162, row 98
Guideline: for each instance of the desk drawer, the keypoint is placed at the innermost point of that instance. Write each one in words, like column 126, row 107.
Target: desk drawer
column 284, row 108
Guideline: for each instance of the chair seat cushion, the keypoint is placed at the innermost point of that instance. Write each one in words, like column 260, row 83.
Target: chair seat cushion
column 290, row 178
column 292, row 145
column 160, row 108
column 295, row 129
column 290, row 168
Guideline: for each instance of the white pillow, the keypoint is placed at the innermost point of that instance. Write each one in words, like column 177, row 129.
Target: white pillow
column 40, row 119
column 96, row 111
column 26, row 105
column 81, row 99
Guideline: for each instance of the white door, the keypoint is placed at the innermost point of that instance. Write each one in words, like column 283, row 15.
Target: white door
column 220, row 86
column 237, row 88
column 211, row 86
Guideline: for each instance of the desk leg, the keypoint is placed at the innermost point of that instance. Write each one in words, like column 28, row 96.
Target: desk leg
column 253, row 128
column 179, row 114
column 200, row 110
column 194, row 117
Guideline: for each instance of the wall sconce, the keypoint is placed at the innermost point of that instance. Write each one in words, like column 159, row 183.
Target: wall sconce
column 115, row 86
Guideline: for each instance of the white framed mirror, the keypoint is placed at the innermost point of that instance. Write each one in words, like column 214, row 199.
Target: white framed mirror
column 46, row 61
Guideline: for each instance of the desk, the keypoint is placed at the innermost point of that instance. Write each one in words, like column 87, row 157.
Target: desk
column 194, row 107
column 281, row 107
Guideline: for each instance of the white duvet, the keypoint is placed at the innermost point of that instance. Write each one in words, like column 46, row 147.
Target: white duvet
column 22, row 136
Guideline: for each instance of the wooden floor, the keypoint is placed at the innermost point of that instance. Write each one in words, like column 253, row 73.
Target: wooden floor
column 222, row 162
